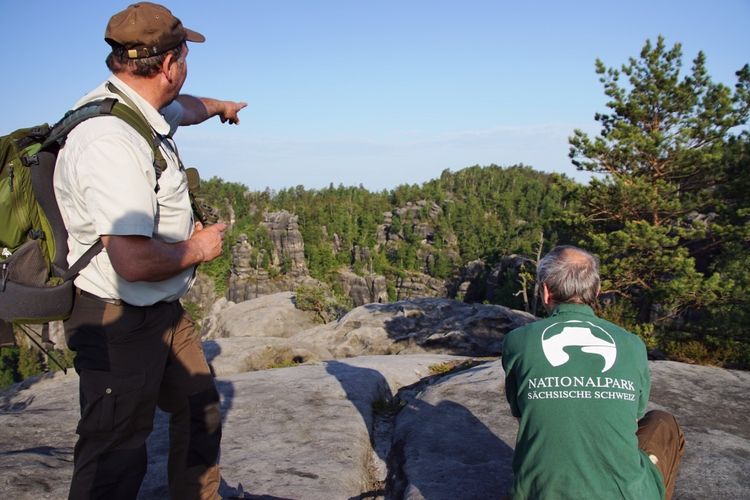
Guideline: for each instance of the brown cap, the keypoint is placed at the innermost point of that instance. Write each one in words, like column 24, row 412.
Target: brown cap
column 147, row 29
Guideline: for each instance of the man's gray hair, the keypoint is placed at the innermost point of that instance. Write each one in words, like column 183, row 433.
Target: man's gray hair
column 571, row 275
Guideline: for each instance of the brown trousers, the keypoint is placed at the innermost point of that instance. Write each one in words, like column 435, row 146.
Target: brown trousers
column 131, row 359
column 660, row 436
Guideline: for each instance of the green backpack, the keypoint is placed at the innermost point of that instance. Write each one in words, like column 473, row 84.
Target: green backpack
column 36, row 284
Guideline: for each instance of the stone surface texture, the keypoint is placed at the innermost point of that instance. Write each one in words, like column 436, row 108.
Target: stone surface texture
column 371, row 407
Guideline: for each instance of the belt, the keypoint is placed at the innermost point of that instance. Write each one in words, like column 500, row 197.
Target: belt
column 115, row 302
column 106, row 300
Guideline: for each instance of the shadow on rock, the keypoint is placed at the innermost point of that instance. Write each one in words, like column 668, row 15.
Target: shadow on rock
column 427, row 450
column 444, row 451
column 212, row 350
column 364, row 387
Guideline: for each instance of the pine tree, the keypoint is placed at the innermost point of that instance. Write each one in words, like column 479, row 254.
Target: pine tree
column 660, row 147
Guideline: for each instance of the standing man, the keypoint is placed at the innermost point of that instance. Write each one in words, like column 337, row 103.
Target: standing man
column 135, row 347
column 578, row 385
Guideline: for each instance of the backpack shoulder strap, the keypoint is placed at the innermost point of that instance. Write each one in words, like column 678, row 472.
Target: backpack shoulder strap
column 58, row 134
column 128, row 112
column 109, row 107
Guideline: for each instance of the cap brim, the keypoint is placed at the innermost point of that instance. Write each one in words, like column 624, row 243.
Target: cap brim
column 194, row 36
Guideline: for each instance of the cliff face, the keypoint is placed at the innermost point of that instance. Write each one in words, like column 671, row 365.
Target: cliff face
column 362, row 289
column 288, row 247
column 286, row 260
column 282, row 267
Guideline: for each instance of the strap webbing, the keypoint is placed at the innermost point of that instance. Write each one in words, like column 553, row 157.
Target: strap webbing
column 83, row 260
column 129, row 113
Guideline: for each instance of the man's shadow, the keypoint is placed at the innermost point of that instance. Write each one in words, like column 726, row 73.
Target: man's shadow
column 447, row 432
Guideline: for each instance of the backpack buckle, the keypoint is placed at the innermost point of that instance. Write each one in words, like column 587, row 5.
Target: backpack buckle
column 30, row 160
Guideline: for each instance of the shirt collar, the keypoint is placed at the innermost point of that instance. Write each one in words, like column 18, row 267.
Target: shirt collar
column 152, row 115
column 573, row 308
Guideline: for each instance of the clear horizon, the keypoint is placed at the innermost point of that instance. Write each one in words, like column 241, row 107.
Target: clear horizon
column 374, row 93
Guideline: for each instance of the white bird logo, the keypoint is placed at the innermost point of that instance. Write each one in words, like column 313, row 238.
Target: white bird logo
column 580, row 335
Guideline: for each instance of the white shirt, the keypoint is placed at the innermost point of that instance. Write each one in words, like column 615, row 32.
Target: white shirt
column 104, row 184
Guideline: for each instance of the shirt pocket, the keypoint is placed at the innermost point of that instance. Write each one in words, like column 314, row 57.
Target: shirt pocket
column 174, row 217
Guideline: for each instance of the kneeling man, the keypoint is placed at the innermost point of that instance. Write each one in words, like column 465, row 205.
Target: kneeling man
column 579, row 385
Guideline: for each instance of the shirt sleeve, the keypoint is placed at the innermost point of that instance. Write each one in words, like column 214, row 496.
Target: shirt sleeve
column 172, row 113
column 117, row 180
column 511, row 383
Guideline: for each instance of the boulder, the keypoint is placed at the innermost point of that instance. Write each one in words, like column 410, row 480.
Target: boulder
column 421, row 325
column 257, row 334
column 267, row 316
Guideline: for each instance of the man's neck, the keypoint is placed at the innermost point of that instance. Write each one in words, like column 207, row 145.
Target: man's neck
column 147, row 88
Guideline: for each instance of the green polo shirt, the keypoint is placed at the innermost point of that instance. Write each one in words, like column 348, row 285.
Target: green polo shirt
column 578, row 385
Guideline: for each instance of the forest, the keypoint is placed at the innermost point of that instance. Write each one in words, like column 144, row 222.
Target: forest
column 667, row 213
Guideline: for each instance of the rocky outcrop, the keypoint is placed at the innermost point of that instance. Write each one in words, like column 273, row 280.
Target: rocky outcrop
column 420, row 216
column 440, row 326
column 362, row 289
column 288, row 247
column 478, row 282
column 257, row 271
column 418, row 326
column 269, row 316
column 414, row 285
column 418, row 222
column 383, row 427
column 412, row 233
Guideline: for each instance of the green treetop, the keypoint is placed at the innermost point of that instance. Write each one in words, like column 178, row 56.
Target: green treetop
column 653, row 217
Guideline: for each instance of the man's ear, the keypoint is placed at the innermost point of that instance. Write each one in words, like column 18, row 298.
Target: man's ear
column 546, row 296
column 166, row 66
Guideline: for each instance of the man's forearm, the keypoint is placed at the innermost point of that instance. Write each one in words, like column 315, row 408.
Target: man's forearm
column 199, row 109
column 138, row 258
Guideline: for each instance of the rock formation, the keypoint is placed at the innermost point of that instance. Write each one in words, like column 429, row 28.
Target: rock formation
column 288, row 247
column 285, row 260
column 477, row 282
column 282, row 267
column 268, row 316
column 381, row 427
column 441, row 326
column 413, row 285
column 362, row 289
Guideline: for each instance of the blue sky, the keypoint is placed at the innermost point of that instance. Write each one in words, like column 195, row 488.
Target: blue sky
column 377, row 93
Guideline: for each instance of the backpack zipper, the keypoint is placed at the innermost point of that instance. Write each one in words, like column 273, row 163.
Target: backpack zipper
column 3, row 276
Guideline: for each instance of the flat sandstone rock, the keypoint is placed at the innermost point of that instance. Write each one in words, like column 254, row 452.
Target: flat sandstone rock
column 373, row 427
